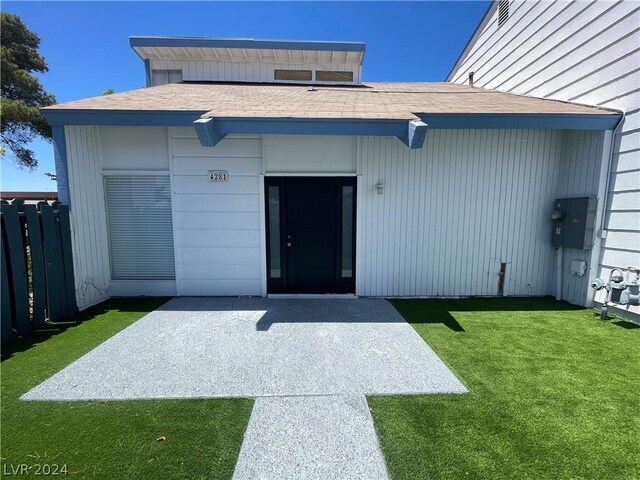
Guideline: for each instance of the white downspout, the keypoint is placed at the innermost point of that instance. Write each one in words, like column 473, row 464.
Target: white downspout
column 603, row 199
column 559, row 273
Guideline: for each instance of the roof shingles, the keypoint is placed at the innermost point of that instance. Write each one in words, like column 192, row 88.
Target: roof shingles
column 369, row 101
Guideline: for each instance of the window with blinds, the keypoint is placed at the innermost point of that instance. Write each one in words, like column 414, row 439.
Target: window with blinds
column 140, row 227
column 301, row 75
column 162, row 77
column 333, row 76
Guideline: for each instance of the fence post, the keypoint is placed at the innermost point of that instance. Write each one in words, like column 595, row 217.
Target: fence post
column 16, row 266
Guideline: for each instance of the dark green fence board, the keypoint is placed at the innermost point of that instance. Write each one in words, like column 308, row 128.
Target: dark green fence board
column 37, row 280
column 17, row 268
column 5, row 295
column 53, row 262
column 37, row 265
column 67, row 256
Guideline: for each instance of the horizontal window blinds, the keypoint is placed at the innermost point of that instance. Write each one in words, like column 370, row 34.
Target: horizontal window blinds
column 140, row 227
column 162, row 77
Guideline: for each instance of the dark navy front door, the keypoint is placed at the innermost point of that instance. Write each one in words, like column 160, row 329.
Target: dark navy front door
column 310, row 234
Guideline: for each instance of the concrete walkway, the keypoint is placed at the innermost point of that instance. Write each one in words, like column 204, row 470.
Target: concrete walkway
column 292, row 438
column 316, row 359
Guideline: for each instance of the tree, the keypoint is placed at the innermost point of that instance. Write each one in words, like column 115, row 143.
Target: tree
column 109, row 91
column 22, row 93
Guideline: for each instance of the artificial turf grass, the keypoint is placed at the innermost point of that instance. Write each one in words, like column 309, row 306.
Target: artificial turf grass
column 115, row 439
column 553, row 393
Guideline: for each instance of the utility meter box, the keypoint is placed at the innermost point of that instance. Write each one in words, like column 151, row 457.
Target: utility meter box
column 573, row 222
column 558, row 215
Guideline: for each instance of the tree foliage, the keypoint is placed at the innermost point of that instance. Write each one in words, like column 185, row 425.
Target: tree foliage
column 22, row 93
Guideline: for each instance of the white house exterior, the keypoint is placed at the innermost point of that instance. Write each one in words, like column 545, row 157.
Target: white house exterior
column 224, row 177
column 586, row 52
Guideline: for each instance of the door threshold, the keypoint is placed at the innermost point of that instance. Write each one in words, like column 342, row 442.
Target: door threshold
column 312, row 295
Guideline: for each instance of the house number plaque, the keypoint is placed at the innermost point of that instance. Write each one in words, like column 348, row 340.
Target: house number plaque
column 218, row 175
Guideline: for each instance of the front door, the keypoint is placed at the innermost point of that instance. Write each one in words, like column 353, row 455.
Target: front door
column 310, row 234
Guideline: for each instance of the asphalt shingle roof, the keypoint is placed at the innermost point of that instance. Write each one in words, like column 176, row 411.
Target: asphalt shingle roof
column 369, row 101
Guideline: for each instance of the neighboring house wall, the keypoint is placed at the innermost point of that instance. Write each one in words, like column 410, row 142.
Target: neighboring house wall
column 585, row 52
column 249, row 72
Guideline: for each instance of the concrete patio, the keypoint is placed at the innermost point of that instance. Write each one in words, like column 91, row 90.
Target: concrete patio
column 254, row 347
column 308, row 362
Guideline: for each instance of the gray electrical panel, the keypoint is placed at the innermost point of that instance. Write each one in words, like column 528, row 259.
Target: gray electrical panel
column 573, row 222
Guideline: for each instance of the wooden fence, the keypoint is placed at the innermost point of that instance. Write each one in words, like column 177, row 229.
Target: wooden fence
column 37, row 266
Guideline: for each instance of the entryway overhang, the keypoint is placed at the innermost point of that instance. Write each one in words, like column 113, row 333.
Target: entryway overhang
column 211, row 130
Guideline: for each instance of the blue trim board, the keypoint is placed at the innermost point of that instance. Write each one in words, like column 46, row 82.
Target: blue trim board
column 60, row 155
column 547, row 121
column 182, row 118
column 152, row 118
column 141, row 41
column 312, row 126
column 147, row 72
column 211, row 130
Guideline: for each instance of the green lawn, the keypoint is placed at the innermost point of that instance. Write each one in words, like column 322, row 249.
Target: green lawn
column 554, row 393
column 110, row 439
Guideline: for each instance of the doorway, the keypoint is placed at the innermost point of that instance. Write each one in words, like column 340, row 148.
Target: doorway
column 310, row 226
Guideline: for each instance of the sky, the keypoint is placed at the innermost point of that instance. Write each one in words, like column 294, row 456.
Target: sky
column 86, row 44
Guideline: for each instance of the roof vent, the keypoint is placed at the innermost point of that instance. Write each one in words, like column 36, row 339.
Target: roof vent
column 311, row 89
column 503, row 11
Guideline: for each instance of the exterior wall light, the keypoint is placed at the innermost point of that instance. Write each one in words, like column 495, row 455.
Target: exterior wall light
column 379, row 187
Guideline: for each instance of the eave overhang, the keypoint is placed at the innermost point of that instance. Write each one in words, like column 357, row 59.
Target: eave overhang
column 198, row 42
column 546, row 121
column 411, row 132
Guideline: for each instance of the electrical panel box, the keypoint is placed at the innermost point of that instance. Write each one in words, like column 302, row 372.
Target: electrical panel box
column 574, row 222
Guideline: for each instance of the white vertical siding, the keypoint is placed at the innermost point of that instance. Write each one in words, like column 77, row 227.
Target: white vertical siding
column 450, row 214
column 248, row 72
column 580, row 159
column 217, row 226
column 88, row 221
column 456, row 209
column 586, row 52
column 91, row 153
